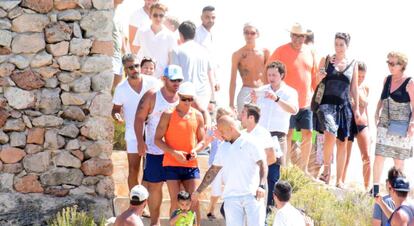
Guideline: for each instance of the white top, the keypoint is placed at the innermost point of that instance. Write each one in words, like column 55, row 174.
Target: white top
column 266, row 140
column 194, row 61
column 205, row 39
column 288, row 215
column 161, row 105
column 129, row 99
column 239, row 166
column 140, row 19
column 156, row 46
column 273, row 117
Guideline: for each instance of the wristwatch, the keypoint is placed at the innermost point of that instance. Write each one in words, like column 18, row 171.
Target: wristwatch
column 262, row 186
column 277, row 99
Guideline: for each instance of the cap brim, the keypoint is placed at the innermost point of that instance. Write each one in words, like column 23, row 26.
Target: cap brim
column 402, row 189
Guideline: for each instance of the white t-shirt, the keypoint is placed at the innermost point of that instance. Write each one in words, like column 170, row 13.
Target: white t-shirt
column 156, row 46
column 205, row 39
column 266, row 140
column 140, row 19
column 129, row 99
column 273, row 117
column 288, row 215
column 239, row 166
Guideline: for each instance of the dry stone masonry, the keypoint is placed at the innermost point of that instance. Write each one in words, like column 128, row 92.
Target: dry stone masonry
column 55, row 103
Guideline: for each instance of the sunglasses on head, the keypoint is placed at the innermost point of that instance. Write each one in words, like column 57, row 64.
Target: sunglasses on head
column 158, row 15
column 392, row 64
column 187, row 99
column 176, row 80
column 132, row 67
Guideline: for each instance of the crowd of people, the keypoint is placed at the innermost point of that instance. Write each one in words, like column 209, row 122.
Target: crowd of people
column 167, row 103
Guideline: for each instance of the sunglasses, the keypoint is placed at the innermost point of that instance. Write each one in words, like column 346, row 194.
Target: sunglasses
column 298, row 35
column 249, row 33
column 132, row 67
column 392, row 64
column 176, row 80
column 158, row 15
column 187, row 99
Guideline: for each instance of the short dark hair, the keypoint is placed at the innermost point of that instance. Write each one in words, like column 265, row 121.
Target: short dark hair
column 128, row 58
column 183, row 195
column 147, row 59
column 362, row 66
column 344, row 36
column 253, row 110
column 208, row 8
column 393, row 174
column 187, row 29
column 282, row 191
column 280, row 67
column 136, row 202
column 310, row 37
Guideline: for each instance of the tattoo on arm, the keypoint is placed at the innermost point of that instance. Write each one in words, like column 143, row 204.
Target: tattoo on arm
column 208, row 178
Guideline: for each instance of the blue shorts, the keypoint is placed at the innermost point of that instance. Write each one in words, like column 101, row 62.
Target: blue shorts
column 302, row 120
column 181, row 173
column 272, row 178
column 153, row 170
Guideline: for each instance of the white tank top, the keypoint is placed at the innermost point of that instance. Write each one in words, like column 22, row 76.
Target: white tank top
column 160, row 106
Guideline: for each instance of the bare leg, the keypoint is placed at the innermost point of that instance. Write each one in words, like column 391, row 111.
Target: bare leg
column 305, row 149
column 340, row 160
column 190, row 187
column 134, row 164
column 154, row 200
column 328, row 145
column 173, row 189
column 378, row 165
column 213, row 202
column 364, row 142
column 286, row 156
column 399, row 164
column 348, row 157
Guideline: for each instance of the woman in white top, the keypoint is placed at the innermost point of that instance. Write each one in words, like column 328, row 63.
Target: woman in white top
column 277, row 102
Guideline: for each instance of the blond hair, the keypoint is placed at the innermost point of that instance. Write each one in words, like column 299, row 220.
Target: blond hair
column 401, row 58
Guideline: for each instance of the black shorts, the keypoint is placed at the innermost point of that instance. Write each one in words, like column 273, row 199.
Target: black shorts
column 302, row 120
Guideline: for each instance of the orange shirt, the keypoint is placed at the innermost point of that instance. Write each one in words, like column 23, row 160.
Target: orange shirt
column 301, row 68
column 181, row 135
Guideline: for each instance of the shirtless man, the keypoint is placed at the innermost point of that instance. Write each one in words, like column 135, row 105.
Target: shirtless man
column 250, row 61
column 137, row 200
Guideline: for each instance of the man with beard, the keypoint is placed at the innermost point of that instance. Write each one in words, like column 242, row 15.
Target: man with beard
column 126, row 97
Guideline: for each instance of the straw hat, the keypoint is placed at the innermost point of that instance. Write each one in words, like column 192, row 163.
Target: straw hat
column 298, row 29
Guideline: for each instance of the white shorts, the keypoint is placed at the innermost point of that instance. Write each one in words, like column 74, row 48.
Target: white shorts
column 243, row 98
column 132, row 146
column 117, row 67
column 217, row 185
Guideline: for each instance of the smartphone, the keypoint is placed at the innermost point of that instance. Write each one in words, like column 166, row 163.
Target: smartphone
column 375, row 191
column 260, row 93
column 188, row 156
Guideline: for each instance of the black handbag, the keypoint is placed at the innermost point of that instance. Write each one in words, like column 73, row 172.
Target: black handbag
column 320, row 89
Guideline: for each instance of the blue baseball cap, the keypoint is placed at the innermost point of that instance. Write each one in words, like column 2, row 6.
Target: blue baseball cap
column 401, row 184
column 173, row 72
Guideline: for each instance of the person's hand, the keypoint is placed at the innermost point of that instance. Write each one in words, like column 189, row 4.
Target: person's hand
column 194, row 197
column 210, row 135
column 379, row 199
column 260, row 193
column 118, row 118
column 410, row 131
column 234, row 109
column 358, row 118
column 142, row 148
column 193, row 155
column 253, row 96
column 270, row 95
column 180, row 156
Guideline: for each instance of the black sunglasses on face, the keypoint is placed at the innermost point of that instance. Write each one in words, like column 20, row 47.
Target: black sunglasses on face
column 187, row 99
column 158, row 15
column 176, row 80
column 132, row 67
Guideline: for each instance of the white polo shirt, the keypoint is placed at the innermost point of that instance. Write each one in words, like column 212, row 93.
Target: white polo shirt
column 140, row 19
column 288, row 215
column 239, row 166
column 156, row 46
column 273, row 117
column 129, row 99
column 266, row 140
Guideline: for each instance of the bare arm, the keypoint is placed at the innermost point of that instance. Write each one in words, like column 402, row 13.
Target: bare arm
column 144, row 108
column 291, row 108
column 266, row 53
column 161, row 130
column 200, row 134
column 263, row 171
column 410, row 90
column 399, row 218
column 208, row 178
column 379, row 108
column 354, row 93
column 234, row 66
column 204, row 112
column 376, row 222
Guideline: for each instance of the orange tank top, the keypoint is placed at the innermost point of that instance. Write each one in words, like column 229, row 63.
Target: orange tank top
column 181, row 135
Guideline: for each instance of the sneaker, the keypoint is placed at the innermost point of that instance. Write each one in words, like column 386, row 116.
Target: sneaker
column 211, row 217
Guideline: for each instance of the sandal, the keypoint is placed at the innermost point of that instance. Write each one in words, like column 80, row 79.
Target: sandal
column 324, row 177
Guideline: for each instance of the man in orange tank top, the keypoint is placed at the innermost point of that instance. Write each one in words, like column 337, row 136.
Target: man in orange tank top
column 180, row 134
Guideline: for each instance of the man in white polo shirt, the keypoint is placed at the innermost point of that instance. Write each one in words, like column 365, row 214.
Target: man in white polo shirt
column 126, row 97
column 156, row 41
column 250, row 116
column 139, row 20
column 277, row 102
column 244, row 167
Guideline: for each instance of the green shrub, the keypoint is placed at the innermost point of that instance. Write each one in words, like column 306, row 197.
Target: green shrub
column 323, row 206
column 70, row 216
column 119, row 137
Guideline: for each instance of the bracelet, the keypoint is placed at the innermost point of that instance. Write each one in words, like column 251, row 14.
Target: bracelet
column 212, row 102
column 277, row 99
column 262, row 187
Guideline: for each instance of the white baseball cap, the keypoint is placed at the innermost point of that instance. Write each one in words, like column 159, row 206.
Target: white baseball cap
column 187, row 89
column 138, row 193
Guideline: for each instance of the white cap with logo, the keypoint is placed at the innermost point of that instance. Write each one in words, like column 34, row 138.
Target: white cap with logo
column 138, row 193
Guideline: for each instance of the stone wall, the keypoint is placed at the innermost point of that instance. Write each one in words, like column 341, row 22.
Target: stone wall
column 55, row 101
